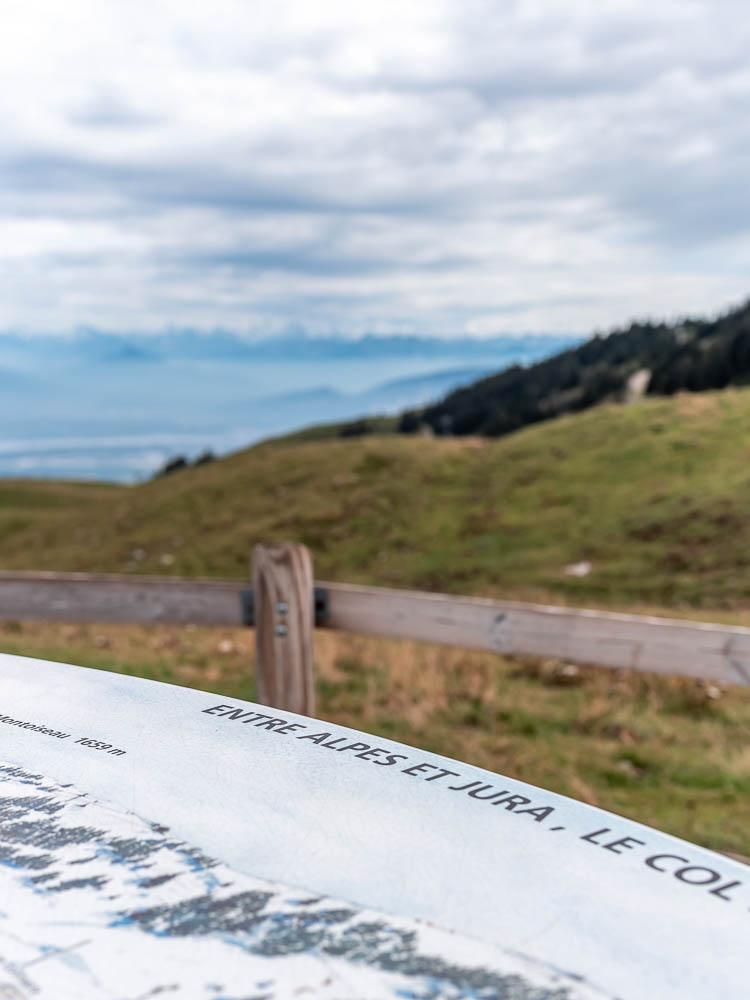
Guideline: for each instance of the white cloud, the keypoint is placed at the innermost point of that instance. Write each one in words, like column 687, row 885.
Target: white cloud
column 427, row 165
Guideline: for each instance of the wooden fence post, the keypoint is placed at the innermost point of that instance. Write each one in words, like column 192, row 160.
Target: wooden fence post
column 284, row 618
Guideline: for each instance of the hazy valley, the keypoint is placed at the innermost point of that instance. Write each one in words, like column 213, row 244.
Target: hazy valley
column 112, row 407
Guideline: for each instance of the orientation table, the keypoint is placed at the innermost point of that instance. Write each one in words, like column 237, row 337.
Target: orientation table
column 158, row 841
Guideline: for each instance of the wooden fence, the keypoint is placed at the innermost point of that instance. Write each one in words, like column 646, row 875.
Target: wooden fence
column 284, row 603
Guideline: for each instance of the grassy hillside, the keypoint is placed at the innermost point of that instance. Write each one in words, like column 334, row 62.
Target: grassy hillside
column 655, row 495
column 29, row 505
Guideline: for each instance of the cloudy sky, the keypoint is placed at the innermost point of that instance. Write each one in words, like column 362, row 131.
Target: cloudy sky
column 435, row 167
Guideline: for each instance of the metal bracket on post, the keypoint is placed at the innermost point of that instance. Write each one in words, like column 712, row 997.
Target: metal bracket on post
column 247, row 599
column 321, row 607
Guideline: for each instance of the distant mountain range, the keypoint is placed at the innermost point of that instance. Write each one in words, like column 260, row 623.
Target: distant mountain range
column 103, row 346
column 398, row 391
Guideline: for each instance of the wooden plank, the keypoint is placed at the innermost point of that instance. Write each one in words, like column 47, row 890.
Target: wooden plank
column 718, row 653
column 283, row 589
column 141, row 600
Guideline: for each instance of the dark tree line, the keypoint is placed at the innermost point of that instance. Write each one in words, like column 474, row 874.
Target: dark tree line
column 693, row 355
column 714, row 358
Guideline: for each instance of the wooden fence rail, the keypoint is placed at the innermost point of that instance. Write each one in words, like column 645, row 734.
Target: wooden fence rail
column 717, row 653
